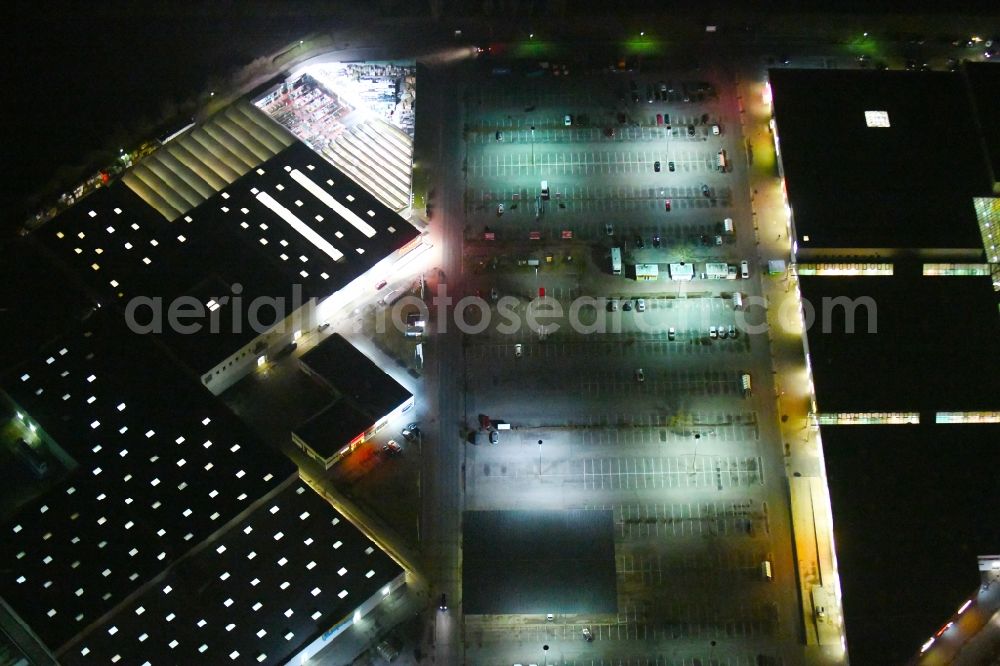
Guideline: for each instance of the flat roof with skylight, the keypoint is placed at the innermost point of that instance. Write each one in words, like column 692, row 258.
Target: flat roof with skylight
column 259, row 593
column 160, row 466
column 293, row 220
column 879, row 160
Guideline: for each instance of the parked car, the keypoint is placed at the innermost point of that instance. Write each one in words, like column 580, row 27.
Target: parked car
column 656, row 166
column 609, row 229
column 659, row 119
column 640, row 376
column 499, row 209
column 494, row 437
column 671, row 333
column 712, row 333
column 640, row 304
column 626, row 305
column 499, row 136
column 567, row 120
column 411, row 432
column 656, row 240
column 612, row 305
column 392, row 448
column 518, row 350
column 666, row 204
column 671, row 166
column 704, row 190
column 639, row 243
column 715, row 130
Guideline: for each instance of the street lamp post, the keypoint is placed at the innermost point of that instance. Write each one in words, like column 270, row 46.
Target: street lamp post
column 532, row 145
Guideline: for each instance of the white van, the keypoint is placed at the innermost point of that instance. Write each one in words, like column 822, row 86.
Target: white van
column 727, row 225
column 765, row 570
column 737, row 300
column 390, row 297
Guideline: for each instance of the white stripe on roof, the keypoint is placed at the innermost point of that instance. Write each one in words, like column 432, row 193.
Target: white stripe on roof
column 337, row 207
column 300, row 226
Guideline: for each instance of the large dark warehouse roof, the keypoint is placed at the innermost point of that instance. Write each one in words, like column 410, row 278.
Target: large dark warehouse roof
column 934, row 349
column 913, row 506
column 538, row 562
column 908, row 185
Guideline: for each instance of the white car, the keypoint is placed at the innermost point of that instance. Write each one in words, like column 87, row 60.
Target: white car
column 518, row 350
column 640, row 376
column 745, row 269
column 567, row 120
column 640, row 305
column 712, row 332
column 715, row 130
column 499, row 209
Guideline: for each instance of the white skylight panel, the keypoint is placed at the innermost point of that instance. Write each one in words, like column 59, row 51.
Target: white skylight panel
column 332, row 203
column 877, row 118
column 301, row 227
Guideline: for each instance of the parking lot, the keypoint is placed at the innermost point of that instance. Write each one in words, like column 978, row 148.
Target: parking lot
column 649, row 418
